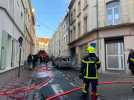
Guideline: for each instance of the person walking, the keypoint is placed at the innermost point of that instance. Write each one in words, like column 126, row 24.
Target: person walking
column 89, row 72
column 29, row 61
column 35, row 60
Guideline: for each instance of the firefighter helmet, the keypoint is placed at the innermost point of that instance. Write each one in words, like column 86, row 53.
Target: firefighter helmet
column 90, row 49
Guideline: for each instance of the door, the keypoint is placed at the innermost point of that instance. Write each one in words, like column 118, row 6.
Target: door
column 114, row 55
column 3, row 51
column 13, row 53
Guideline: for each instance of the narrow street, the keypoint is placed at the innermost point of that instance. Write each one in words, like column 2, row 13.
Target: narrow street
column 67, row 79
column 61, row 83
column 60, row 49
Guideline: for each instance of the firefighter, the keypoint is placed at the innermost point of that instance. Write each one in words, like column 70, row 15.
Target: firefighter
column 131, row 61
column 89, row 72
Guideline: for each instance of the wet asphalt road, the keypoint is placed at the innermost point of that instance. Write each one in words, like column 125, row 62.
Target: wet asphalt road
column 67, row 79
column 61, row 83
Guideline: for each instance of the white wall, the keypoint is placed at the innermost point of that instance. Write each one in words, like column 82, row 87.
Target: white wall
column 128, row 44
column 102, row 54
column 6, row 25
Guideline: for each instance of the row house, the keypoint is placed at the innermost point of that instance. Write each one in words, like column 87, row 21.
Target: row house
column 58, row 46
column 107, row 23
column 54, row 45
column 65, row 36
column 42, row 44
column 16, row 20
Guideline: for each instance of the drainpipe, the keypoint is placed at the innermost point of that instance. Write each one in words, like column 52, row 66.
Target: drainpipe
column 97, row 25
column 97, row 28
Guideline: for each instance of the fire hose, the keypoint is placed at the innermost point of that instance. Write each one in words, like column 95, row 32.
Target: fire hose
column 8, row 92
column 79, row 88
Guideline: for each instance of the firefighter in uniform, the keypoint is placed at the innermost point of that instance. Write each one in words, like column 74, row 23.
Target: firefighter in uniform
column 131, row 61
column 89, row 72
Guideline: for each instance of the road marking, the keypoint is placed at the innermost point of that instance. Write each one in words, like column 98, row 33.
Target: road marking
column 72, row 84
column 57, row 89
column 51, row 81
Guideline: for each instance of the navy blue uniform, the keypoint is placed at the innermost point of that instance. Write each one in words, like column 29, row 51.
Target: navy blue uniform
column 89, row 71
column 131, row 62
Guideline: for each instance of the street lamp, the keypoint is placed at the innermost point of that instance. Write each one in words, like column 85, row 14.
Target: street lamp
column 20, row 40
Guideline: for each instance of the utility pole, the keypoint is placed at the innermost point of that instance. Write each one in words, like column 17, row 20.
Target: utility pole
column 97, row 25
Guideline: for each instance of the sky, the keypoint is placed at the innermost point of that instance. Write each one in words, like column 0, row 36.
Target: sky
column 48, row 15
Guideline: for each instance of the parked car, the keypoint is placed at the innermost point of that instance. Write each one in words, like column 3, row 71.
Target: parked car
column 63, row 62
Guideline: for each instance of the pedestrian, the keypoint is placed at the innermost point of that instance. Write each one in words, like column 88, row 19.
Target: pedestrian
column 89, row 72
column 131, row 61
column 29, row 61
column 35, row 60
column 40, row 57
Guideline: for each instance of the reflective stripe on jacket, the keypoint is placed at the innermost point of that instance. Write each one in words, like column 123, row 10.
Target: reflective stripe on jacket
column 132, row 59
column 90, row 66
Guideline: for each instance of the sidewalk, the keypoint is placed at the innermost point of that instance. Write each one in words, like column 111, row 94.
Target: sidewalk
column 122, row 90
column 116, row 77
column 108, row 76
column 9, row 76
column 10, row 79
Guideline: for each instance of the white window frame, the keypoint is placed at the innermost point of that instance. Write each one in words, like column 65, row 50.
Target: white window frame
column 114, row 22
column 119, row 55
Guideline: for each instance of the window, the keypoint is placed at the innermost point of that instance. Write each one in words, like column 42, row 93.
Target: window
column 85, row 24
column 74, row 31
column 114, row 54
column 70, row 36
column 113, row 12
column 4, row 48
column 79, row 29
column 21, row 14
column 79, row 7
column 74, row 14
column 66, row 38
column 18, row 3
column 85, row 3
column 71, row 17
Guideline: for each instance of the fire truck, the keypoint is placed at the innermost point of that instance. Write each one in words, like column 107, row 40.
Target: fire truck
column 43, row 56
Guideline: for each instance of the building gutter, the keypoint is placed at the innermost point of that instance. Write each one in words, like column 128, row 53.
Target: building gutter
column 13, row 21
